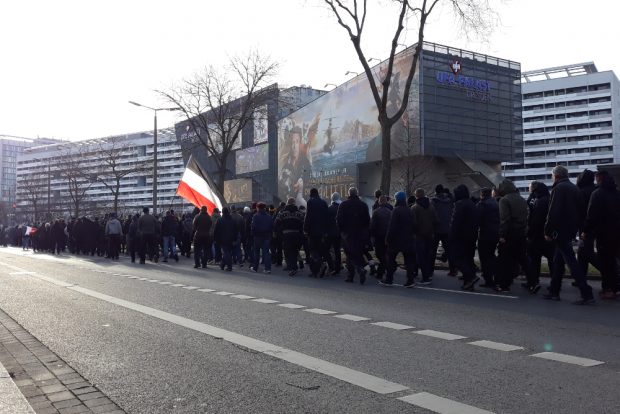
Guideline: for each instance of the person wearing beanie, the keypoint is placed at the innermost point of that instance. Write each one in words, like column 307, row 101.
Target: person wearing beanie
column 444, row 206
column 400, row 239
column 262, row 229
column 353, row 222
column 315, row 228
column 463, row 235
column 334, row 256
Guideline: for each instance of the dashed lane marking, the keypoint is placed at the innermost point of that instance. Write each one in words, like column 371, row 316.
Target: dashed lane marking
column 441, row 335
column 177, row 285
column 165, row 283
column 498, row 346
column 21, row 273
column 224, row 293
column 206, row 290
column 353, row 318
column 291, row 306
column 191, row 287
column 569, row 359
column 263, row 300
column 392, row 325
column 242, row 297
column 319, row 311
column 441, row 405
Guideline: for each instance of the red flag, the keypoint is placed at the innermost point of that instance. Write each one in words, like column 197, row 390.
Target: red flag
column 195, row 187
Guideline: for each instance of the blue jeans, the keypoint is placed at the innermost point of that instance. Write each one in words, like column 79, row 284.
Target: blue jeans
column 262, row 243
column 564, row 254
column 169, row 244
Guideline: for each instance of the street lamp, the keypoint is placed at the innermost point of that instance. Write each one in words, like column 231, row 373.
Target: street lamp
column 350, row 71
column 330, row 84
column 154, row 148
column 371, row 59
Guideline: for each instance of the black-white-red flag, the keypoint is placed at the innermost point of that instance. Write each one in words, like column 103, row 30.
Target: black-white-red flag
column 197, row 188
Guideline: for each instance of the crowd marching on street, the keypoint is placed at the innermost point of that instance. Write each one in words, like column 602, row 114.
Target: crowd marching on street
column 510, row 233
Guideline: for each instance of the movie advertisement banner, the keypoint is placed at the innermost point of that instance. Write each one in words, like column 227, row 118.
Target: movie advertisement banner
column 261, row 130
column 252, row 159
column 238, row 191
column 321, row 144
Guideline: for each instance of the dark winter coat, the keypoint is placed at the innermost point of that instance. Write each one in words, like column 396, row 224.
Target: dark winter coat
column 202, row 226
column 169, row 226
column 262, row 224
column 240, row 223
column 488, row 219
column 332, row 225
column 317, row 217
column 147, row 225
column 353, row 218
column 444, row 207
column 425, row 218
column 464, row 223
column 380, row 222
column 225, row 232
column 565, row 210
column 585, row 183
column 538, row 203
column 289, row 220
column 513, row 211
column 603, row 216
column 400, row 235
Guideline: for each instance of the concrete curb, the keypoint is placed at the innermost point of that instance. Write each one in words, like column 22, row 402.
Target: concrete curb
column 12, row 401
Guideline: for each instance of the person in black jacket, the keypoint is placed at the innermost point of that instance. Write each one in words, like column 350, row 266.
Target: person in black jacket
column 315, row 227
column 226, row 234
column 537, row 246
column 444, row 207
column 288, row 225
column 169, row 228
column 133, row 240
column 353, row 222
column 400, row 239
column 202, row 237
column 237, row 255
column 333, row 237
column 262, row 229
column 488, row 236
column 603, row 224
column 463, row 233
column 585, row 252
column 563, row 221
column 379, row 224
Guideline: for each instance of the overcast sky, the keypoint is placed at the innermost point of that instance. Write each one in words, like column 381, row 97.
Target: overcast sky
column 68, row 68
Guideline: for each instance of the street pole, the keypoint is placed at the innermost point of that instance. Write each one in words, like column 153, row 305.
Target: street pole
column 155, row 164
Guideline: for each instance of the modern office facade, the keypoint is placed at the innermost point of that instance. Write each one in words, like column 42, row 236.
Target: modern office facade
column 570, row 117
column 51, row 176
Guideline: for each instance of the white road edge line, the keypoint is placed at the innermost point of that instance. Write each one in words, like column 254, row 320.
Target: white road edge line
column 242, row 297
column 392, row 325
column 440, row 335
column 351, row 376
column 263, row 300
column 353, row 318
column 319, row 311
column 441, row 405
column 569, row 359
column 462, row 292
column 498, row 346
column 291, row 306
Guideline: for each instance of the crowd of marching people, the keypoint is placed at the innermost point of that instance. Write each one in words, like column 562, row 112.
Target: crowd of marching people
column 510, row 234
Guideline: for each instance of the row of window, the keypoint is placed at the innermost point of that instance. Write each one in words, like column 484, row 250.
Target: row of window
column 570, row 115
column 603, row 124
column 550, row 165
column 560, row 92
column 562, row 140
column 565, row 104
column 567, row 151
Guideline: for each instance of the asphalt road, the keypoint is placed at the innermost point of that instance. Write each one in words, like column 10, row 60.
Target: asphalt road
column 167, row 338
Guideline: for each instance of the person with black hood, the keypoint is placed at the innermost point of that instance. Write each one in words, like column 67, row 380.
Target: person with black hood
column 379, row 224
column 561, row 226
column 169, row 228
column 537, row 246
column 513, row 212
column 488, row 236
column 315, row 227
column 400, row 239
column 225, row 234
column 147, row 230
column 333, row 236
column 378, row 195
column 426, row 224
column 353, row 222
column 463, row 234
column 262, row 230
column 603, row 225
column 444, row 207
column 133, row 240
column 585, row 252
column 202, row 237
column 289, row 226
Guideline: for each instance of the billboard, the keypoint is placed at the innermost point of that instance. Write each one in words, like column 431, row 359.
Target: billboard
column 321, row 144
column 238, row 191
column 252, row 159
column 261, row 130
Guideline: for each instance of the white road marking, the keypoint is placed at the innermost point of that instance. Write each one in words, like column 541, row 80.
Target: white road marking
column 143, row 278
column 191, row 287
column 358, row 378
column 392, row 325
column 206, row 290
column 464, row 292
column 263, row 300
column 569, row 359
column 177, row 285
column 165, row 283
column 291, row 306
column 441, row 405
column 353, row 318
column 21, row 273
column 224, row 293
column 133, row 277
column 319, row 311
column 153, row 280
column 243, row 297
column 441, row 335
column 498, row 346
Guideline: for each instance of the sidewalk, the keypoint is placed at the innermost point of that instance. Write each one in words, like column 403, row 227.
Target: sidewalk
column 12, row 401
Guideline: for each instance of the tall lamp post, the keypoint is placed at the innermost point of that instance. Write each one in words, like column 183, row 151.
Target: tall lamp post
column 154, row 148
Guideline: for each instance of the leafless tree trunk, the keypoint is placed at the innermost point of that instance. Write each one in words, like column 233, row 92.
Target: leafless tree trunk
column 33, row 189
column 476, row 16
column 219, row 103
column 79, row 178
column 114, row 166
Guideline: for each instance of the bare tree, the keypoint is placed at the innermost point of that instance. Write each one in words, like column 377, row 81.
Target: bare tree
column 32, row 189
column 76, row 171
column 219, row 103
column 115, row 165
column 475, row 16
